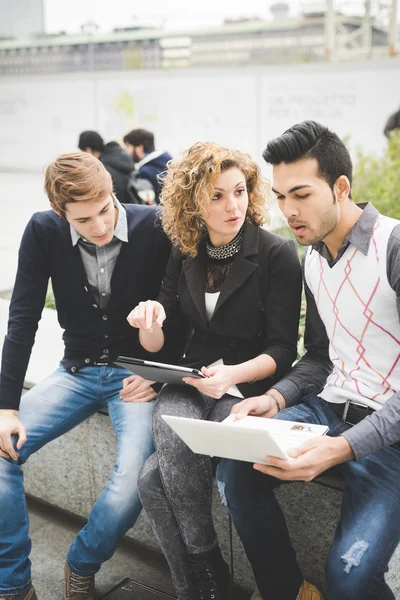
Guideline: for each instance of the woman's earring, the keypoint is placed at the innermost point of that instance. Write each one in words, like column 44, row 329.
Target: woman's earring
column 199, row 223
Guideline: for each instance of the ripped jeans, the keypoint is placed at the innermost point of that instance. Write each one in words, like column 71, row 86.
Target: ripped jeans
column 366, row 536
column 175, row 485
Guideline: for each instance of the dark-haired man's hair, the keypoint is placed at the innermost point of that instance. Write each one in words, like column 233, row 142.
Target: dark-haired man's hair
column 92, row 140
column 140, row 137
column 312, row 140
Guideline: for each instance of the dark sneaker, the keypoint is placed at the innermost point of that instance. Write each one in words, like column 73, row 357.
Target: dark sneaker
column 28, row 594
column 212, row 575
column 78, row 587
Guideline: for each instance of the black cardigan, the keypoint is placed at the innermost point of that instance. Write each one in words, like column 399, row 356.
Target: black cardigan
column 257, row 310
column 46, row 251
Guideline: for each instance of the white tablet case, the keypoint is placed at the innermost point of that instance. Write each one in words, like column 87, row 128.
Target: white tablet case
column 239, row 440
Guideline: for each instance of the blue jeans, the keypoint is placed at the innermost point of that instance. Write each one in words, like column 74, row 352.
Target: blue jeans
column 366, row 536
column 48, row 410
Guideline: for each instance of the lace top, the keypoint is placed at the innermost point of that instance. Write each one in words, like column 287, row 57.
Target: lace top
column 219, row 262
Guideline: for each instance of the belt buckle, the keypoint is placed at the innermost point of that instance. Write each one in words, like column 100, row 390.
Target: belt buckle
column 358, row 407
column 345, row 411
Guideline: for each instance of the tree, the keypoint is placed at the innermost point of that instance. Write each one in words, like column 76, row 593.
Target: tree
column 376, row 179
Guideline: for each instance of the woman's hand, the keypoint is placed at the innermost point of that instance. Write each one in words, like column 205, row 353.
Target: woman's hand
column 147, row 315
column 219, row 380
column 137, row 389
column 262, row 406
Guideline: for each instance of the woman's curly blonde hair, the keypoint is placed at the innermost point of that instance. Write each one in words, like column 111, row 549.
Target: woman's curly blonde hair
column 188, row 189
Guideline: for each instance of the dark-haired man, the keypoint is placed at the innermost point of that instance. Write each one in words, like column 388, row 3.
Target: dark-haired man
column 352, row 282
column 150, row 164
column 102, row 258
column 114, row 158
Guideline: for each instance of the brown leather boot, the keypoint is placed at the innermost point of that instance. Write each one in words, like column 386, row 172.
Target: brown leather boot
column 308, row 591
column 28, row 594
column 78, row 587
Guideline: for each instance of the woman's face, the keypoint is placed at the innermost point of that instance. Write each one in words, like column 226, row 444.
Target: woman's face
column 227, row 210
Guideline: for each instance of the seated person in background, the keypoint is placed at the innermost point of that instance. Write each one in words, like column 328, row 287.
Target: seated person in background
column 150, row 163
column 114, row 158
column 238, row 287
column 101, row 258
column 352, row 283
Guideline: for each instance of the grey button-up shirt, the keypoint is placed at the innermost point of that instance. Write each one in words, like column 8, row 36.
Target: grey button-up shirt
column 383, row 427
column 99, row 261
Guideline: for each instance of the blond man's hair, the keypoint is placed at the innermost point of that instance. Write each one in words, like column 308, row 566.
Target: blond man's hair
column 76, row 177
column 188, row 189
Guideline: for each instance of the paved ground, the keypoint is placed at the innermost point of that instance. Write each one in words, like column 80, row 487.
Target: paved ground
column 52, row 532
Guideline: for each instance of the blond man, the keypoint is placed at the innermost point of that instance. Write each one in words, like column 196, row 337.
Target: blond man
column 102, row 258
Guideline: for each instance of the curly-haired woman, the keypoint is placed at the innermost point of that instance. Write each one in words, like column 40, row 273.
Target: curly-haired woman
column 233, row 290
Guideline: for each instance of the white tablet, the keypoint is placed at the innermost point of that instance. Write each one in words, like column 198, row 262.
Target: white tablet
column 155, row 371
column 250, row 439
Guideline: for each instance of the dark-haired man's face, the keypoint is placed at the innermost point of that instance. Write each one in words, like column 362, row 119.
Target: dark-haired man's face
column 306, row 200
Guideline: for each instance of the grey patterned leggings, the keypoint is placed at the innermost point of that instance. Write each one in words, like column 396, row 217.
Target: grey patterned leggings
column 175, row 484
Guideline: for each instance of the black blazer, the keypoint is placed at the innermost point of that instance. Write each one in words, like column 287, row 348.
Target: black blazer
column 257, row 310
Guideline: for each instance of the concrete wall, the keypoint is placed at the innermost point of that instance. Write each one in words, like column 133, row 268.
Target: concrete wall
column 41, row 117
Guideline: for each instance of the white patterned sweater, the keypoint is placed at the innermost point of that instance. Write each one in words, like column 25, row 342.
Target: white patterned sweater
column 358, row 308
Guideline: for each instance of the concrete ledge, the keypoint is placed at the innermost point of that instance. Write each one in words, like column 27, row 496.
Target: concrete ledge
column 311, row 509
column 48, row 349
column 51, row 477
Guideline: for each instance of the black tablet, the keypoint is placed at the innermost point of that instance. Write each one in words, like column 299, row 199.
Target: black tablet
column 155, row 371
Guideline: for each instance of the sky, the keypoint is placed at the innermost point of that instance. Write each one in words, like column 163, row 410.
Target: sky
column 173, row 14
column 124, row 13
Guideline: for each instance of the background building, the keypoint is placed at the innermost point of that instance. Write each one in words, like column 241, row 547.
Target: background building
column 284, row 39
column 21, row 18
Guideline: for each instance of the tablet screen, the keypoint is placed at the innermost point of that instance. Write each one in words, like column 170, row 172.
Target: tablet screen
column 155, row 371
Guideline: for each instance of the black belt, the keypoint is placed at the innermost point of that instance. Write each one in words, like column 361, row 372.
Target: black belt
column 353, row 412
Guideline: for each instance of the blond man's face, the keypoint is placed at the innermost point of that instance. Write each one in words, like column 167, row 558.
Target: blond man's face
column 95, row 221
